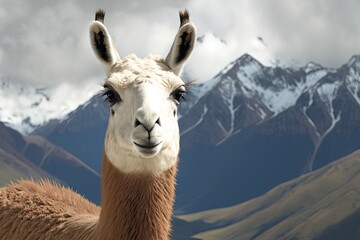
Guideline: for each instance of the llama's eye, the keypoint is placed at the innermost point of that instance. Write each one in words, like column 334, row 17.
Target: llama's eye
column 112, row 96
column 179, row 94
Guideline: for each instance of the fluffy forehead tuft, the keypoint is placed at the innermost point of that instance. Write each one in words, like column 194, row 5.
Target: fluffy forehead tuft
column 134, row 70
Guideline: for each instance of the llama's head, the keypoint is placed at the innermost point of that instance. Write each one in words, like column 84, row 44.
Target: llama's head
column 143, row 133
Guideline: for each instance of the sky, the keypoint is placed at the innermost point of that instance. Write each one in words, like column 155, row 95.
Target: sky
column 46, row 43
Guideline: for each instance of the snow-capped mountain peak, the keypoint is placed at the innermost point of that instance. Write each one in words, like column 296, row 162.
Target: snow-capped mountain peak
column 25, row 107
column 248, row 61
column 276, row 88
column 312, row 67
column 354, row 62
column 19, row 105
column 246, row 93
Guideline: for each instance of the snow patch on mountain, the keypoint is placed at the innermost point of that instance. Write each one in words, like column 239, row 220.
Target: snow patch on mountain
column 198, row 122
column 328, row 92
column 283, row 96
column 228, row 93
column 354, row 62
column 25, row 107
column 312, row 67
column 353, row 84
column 196, row 92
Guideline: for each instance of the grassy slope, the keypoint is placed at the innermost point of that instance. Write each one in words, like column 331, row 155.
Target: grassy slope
column 348, row 229
column 183, row 230
column 299, row 209
column 13, row 169
column 8, row 174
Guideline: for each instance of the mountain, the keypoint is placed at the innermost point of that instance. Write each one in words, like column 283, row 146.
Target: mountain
column 257, row 127
column 13, row 164
column 35, row 157
column 245, row 131
column 64, row 166
column 244, row 94
column 81, row 132
column 323, row 204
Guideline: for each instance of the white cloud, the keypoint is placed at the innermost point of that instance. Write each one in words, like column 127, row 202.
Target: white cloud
column 324, row 31
column 46, row 43
column 209, row 57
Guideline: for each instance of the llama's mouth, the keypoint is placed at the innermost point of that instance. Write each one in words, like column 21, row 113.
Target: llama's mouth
column 148, row 146
column 148, row 149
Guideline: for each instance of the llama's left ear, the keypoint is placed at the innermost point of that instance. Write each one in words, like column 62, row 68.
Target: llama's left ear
column 183, row 44
column 102, row 43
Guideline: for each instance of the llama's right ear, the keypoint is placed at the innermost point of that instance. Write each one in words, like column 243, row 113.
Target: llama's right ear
column 183, row 44
column 102, row 43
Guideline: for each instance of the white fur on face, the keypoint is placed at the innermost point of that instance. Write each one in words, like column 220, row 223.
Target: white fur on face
column 145, row 87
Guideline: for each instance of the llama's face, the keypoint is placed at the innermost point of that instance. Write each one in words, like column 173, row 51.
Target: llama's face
column 143, row 132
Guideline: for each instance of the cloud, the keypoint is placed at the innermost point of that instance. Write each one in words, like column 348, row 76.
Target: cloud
column 43, row 46
column 323, row 31
column 209, row 57
column 46, row 43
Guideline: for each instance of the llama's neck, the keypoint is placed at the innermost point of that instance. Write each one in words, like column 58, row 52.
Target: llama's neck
column 135, row 206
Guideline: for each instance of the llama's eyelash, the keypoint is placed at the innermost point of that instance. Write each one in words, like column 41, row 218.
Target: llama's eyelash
column 111, row 96
column 179, row 94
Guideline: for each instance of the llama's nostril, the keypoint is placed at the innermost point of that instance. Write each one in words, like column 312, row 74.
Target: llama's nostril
column 158, row 121
column 147, row 126
column 137, row 122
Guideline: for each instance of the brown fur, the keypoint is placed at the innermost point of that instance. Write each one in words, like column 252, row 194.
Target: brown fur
column 134, row 207
column 44, row 211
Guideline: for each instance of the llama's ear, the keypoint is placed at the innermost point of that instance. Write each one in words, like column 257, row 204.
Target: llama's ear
column 183, row 44
column 102, row 43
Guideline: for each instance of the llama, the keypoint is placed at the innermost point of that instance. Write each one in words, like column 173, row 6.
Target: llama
column 140, row 157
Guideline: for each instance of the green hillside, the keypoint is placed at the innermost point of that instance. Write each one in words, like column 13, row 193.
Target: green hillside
column 300, row 209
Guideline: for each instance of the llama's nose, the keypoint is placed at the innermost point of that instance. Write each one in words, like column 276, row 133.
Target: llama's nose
column 146, row 119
